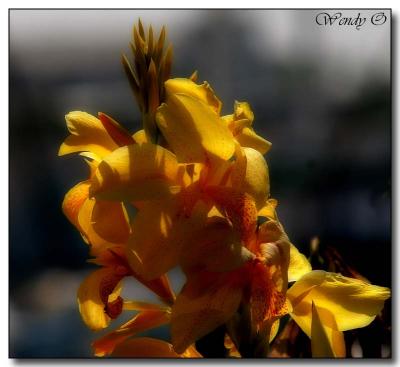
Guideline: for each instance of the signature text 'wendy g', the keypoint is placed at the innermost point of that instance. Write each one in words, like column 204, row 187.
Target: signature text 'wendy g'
column 330, row 19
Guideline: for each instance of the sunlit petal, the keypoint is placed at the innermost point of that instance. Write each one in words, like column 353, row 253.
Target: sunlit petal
column 136, row 172
column 201, row 92
column 194, row 130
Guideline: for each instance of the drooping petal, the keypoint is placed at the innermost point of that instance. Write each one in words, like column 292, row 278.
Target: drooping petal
column 198, row 310
column 87, row 135
column 90, row 299
column 201, row 92
column 250, row 175
column 160, row 231
column 194, row 130
column 136, row 172
column 326, row 342
column 298, row 265
column 353, row 303
column 143, row 321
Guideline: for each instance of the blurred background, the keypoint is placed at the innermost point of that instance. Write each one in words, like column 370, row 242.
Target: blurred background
column 320, row 94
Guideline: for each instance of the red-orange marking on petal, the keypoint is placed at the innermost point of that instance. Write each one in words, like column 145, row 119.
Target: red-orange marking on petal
column 120, row 136
column 266, row 300
column 240, row 209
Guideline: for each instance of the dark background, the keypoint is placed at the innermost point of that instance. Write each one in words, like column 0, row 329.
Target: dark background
column 320, row 94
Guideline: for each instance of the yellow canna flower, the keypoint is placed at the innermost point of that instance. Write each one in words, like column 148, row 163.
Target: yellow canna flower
column 201, row 186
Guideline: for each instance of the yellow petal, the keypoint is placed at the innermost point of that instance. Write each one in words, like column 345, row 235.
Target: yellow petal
column 326, row 342
column 136, row 172
column 196, row 313
column 90, row 303
column 143, row 321
column 202, row 92
column 159, row 233
column 194, row 130
column 248, row 138
column 250, row 175
column 353, row 303
column 87, row 135
column 73, row 201
column 298, row 265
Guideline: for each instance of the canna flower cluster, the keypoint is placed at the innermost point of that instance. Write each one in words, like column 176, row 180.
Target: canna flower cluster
column 198, row 184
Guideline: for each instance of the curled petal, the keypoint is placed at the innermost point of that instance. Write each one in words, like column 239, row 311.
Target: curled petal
column 91, row 298
column 143, row 321
column 136, row 172
column 87, row 135
column 353, row 303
